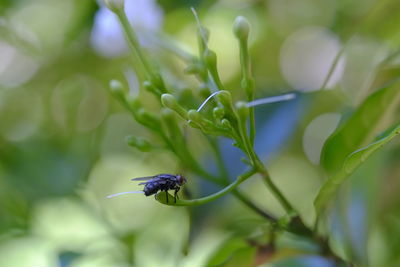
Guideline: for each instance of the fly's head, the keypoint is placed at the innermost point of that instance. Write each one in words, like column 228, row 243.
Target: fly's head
column 181, row 179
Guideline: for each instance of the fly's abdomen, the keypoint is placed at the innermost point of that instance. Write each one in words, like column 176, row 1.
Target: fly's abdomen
column 151, row 189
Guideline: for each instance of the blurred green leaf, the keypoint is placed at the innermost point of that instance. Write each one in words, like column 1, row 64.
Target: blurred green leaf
column 226, row 251
column 242, row 257
column 352, row 162
column 382, row 22
column 367, row 121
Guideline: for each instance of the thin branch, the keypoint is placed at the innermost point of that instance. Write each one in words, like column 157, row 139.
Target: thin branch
column 161, row 197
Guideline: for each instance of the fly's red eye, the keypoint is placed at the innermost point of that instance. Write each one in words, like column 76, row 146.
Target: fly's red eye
column 181, row 179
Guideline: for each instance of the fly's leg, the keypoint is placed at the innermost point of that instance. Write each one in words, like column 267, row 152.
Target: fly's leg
column 166, row 194
column 176, row 193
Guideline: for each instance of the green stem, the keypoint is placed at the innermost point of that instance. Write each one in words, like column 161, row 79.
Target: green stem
column 332, row 68
column 161, row 197
column 240, row 196
column 176, row 144
column 133, row 41
column 245, row 200
column 271, row 186
column 247, row 84
column 260, row 168
column 218, row 157
column 215, row 76
column 252, row 125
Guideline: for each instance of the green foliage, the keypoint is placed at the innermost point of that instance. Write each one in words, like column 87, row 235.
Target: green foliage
column 352, row 162
column 179, row 103
column 370, row 118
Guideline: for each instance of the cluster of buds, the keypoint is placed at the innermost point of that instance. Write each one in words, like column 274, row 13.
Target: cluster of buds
column 211, row 108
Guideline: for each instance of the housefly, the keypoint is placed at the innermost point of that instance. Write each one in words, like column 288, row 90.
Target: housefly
column 159, row 182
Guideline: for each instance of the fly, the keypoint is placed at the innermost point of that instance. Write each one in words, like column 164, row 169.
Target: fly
column 159, row 182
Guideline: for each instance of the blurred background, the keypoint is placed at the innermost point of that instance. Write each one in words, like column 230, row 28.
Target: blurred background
column 62, row 135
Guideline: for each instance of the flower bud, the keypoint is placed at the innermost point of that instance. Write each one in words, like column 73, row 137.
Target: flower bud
column 150, row 87
column 225, row 98
column 116, row 88
column 241, row 28
column 194, row 68
column 210, row 58
column 226, row 123
column 139, row 143
column 194, row 116
column 218, row 113
column 170, row 102
column 115, row 5
column 158, row 82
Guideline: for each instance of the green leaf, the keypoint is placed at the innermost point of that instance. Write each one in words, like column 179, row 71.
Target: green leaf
column 360, row 129
column 227, row 251
column 352, row 162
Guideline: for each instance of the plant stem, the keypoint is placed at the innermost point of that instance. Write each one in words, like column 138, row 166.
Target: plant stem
column 260, row 168
column 274, row 189
column 240, row 196
column 199, row 201
column 247, row 84
column 133, row 41
column 253, row 206
column 219, row 160
column 332, row 68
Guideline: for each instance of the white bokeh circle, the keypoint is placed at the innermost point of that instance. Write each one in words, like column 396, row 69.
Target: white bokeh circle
column 307, row 56
column 317, row 132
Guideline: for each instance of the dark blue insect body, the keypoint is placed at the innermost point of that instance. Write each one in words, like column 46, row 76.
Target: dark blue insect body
column 162, row 182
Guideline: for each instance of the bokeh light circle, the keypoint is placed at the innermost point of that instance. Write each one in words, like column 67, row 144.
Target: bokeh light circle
column 307, row 56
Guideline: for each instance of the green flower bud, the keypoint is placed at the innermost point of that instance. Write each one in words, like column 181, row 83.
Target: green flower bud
column 117, row 88
column 218, row 113
column 139, row 143
column 241, row 28
column 210, row 59
column 242, row 110
column 148, row 86
column 226, row 123
column 115, row 5
column 225, row 98
column 170, row 102
column 158, row 82
column 194, row 68
column 195, row 116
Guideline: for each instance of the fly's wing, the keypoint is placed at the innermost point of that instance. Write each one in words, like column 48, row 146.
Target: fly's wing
column 149, row 179
column 143, row 178
column 156, row 178
column 123, row 193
